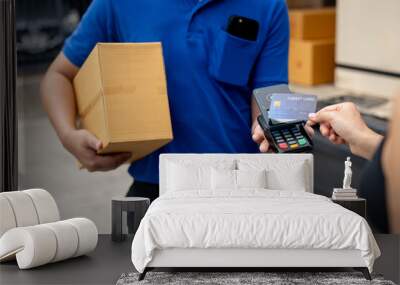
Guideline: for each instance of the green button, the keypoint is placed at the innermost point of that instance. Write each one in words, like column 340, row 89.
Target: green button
column 302, row 141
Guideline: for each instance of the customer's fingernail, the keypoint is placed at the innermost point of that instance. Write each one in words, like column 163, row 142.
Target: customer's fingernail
column 311, row 115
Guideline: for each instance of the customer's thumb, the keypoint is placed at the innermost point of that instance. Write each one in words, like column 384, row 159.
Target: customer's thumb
column 322, row 116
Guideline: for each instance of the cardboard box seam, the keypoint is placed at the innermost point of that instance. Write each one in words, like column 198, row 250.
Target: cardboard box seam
column 103, row 99
column 166, row 87
column 143, row 139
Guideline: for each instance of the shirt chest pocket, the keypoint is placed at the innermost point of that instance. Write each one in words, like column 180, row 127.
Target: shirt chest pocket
column 231, row 58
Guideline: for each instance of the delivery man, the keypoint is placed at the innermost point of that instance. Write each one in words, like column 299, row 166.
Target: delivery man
column 216, row 52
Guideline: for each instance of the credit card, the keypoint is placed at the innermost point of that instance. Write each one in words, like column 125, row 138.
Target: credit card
column 286, row 107
column 263, row 94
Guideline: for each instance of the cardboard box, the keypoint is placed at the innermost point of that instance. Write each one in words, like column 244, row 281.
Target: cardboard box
column 121, row 95
column 311, row 62
column 312, row 24
column 296, row 4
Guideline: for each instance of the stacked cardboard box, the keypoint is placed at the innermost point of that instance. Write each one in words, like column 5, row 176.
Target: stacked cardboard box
column 297, row 4
column 312, row 46
column 121, row 94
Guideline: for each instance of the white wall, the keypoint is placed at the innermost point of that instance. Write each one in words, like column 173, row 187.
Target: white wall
column 368, row 34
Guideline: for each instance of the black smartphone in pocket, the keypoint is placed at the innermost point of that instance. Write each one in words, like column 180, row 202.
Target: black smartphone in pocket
column 242, row 27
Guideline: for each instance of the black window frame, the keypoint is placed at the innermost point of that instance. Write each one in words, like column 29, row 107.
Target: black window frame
column 8, row 108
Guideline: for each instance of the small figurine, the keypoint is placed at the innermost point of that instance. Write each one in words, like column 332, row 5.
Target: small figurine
column 346, row 192
column 347, row 174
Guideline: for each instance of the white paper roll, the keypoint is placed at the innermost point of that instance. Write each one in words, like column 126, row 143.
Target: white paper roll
column 67, row 239
column 7, row 218
column 45, row 205
column 87, row 235
column 23, row 207
column 33, row 246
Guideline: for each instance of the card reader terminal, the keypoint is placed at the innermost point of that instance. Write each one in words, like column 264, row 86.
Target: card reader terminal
column 283, row 137
column 286, row 137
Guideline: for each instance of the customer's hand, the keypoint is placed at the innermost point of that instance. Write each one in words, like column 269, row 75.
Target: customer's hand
column 343, row 124
column 84, row 146
column 258, row 137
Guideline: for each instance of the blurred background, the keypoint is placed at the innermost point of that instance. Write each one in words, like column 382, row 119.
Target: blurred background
column 344, row 50
column 41, row 30
column 336, row 52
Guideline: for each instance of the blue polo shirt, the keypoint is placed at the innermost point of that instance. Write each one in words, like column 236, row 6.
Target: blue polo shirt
column 210, row 73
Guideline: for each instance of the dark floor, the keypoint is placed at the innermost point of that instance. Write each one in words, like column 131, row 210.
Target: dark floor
column 106, row 264
column 103, row 266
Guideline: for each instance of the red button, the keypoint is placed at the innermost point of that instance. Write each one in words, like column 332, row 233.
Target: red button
column 283, row 145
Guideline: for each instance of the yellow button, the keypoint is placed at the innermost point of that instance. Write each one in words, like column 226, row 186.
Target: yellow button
column 294, row 145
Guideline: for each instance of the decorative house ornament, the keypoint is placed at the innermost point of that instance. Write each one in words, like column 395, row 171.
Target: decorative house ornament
column 348, row 173
column 346, row 192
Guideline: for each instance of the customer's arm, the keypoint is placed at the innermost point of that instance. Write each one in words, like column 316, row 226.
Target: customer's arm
column 343, row 124
column 59, row 101
column 391, row 167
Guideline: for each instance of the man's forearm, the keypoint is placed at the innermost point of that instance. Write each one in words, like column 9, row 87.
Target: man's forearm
column 58, row 95
column 59, row 102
